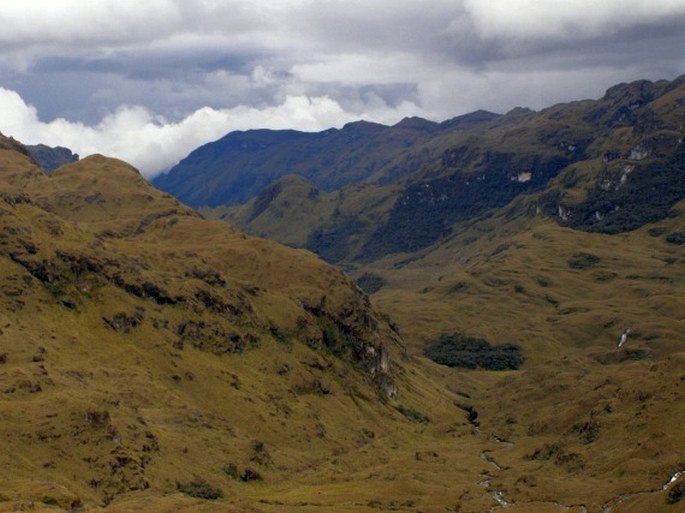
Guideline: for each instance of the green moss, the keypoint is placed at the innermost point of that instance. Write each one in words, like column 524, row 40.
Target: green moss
column 231, row 470
column 50, row 501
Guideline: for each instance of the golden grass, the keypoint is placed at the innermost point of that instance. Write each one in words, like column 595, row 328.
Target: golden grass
column 510, row 281
column 115, row 419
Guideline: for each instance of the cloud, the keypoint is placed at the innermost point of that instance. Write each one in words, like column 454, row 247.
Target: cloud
column 149, row 81
column 153, row 144
column 560, row 19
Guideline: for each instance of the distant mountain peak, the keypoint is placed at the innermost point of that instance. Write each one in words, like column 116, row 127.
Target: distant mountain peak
column 418, row 123
column 50, row 158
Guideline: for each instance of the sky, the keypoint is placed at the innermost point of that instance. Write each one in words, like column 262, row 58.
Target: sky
column 148, row 82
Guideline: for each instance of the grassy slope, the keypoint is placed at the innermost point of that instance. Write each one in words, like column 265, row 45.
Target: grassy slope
column 93, row 415
column 508, row 278
column 587, row 426
column 295, row 213
column 591, row 417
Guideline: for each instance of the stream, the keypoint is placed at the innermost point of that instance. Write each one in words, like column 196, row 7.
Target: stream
column 497, row 495
column 608, row 507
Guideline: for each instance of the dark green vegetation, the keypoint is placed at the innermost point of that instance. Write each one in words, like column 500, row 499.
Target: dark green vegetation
column 425, row 211
column 370, row 282
column 647, row 197
column 200, row 489
column 676, row 238
column 608, row 166
column 413, row 415
column 462, row 351
column 583, row 261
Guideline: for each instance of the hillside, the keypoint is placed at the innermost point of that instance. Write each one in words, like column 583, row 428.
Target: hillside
column 156, row 361
column 559, row 267
column 606, row 165
column 151, row 358
column 241, row 164
column 581, row 410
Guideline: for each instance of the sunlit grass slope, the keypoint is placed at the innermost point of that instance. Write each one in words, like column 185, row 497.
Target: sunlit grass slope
column 590, row 424
column 151, row 360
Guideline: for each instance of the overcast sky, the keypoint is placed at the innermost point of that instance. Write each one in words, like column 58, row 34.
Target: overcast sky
column 149, row 81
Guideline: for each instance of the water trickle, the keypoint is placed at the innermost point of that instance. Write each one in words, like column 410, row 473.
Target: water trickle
column 673, row 479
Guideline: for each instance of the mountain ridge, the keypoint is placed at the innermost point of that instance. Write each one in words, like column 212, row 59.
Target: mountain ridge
column 49, row 158
column 350, row 155
column 568, row 154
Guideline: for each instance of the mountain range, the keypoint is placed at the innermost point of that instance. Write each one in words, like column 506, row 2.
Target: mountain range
column 413, row 183
column 239, row 165
column 466, row 360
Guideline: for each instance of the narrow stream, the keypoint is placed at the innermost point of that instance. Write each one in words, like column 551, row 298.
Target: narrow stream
column 484, row 456
column 497, row 495
column 608, row 507
column 673, row 479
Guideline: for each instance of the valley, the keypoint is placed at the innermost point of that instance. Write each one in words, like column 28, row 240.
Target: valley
column 156, row 358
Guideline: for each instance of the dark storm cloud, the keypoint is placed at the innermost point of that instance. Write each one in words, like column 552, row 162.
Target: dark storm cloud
column 175, row 73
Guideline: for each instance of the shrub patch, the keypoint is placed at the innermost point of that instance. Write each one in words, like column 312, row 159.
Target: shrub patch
column 458, row 350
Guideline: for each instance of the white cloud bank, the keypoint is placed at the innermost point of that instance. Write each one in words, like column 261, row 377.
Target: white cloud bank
column 153, row 144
